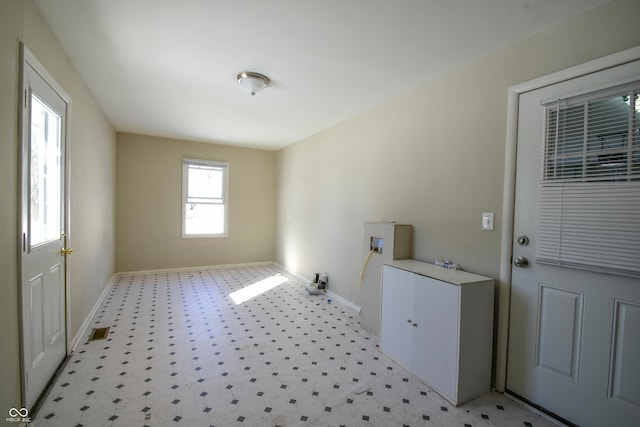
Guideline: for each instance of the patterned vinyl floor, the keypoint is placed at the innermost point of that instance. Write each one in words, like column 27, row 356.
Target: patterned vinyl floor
column 181, row 352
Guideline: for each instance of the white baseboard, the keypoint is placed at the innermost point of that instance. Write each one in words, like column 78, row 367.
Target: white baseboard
column 87, row 321
column 330, row 293
column 345, row 302
column 202, row 267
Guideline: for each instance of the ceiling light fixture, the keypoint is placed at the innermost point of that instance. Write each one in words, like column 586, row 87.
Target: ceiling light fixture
column 252, row 82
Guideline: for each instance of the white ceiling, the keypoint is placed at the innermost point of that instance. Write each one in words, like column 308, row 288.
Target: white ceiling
column 167, row 67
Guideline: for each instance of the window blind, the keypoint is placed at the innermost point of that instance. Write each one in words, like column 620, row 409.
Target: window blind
column 589, row 193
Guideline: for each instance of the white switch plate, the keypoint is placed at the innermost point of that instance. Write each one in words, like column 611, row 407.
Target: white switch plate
column 487, row 220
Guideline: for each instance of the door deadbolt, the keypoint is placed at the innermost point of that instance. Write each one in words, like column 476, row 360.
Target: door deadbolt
column 522, row 240
column 520, row 262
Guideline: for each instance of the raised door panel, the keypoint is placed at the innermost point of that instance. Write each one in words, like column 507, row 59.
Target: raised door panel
column 36, row 331
column 625, row 374
column 435, row 352
column 560, row 331
column 396, row 331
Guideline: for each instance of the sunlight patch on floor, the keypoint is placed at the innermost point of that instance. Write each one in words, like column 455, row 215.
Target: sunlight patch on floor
column 253, row 290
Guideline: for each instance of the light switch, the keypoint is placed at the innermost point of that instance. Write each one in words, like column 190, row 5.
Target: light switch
column 487, row 220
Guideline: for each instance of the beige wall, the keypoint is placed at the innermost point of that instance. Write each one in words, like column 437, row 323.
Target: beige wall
column 149, row 201
column 433, row 158
column 92, row 184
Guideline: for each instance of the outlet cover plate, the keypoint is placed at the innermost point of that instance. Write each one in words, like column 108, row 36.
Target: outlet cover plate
column 487, row 220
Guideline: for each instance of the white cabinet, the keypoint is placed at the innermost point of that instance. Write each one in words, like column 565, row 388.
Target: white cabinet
column 397, row 315
column 438, row 323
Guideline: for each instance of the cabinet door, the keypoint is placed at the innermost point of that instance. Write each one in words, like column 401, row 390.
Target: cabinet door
column 435, row 337
column 396, row 331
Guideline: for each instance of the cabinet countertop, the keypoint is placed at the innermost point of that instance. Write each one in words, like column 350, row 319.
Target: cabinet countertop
column 455, row 277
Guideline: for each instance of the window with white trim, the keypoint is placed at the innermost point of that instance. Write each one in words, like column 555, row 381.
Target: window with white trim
column 589, row 204
column 204, row 198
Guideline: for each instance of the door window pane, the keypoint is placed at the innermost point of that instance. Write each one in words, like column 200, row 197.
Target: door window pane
column 594, row 138
column 45, row 174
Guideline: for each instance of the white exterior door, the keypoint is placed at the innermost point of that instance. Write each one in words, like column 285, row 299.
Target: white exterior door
column 574, row 335
column 42, row 224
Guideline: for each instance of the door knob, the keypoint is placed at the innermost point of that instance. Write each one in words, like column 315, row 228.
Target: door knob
column 521, row 262
column 66, row 251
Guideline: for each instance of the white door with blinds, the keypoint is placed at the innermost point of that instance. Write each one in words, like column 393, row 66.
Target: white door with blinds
column 574, row 334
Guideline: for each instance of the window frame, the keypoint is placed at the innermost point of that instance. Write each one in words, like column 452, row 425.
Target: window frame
column 186, row 163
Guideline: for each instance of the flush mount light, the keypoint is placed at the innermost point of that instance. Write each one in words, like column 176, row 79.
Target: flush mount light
column 252, row 82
